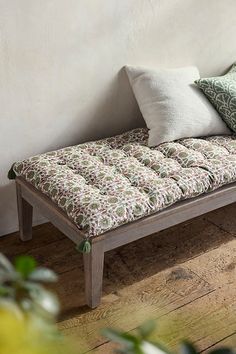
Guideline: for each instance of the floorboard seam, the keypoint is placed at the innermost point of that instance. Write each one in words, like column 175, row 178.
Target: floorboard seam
column 221, row 228
column 219, row 341
column 96, row 347
column 132, row 329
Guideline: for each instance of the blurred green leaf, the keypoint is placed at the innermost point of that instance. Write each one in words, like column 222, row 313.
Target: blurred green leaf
column 5, row 264
column 187, row 348
column 42, row 274
column 31, row 287
column 131, row 343
column 160, row 347
column 146, row 328
column 120, row 337
column 26, row 304
column 223, row 350
column 45, row 302
column 150, row 348
column 6, row 276
column 5, row 290
column 23, row 286
column 25, row 265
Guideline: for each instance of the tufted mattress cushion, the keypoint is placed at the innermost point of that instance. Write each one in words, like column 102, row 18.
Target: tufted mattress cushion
column 103, row 184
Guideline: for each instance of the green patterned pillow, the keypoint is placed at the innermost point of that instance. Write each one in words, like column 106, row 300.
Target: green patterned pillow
column 221, row 91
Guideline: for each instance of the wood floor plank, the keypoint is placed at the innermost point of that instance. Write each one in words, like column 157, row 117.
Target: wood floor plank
column 153, row 297
column 225, row 294
column 224, row 218
column 217, row 267
column 43, row 235
column 204, row 321
column 229, row 342
column 60, row 256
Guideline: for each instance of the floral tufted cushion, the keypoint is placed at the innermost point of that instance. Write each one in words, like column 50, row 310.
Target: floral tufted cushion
column 104, row 184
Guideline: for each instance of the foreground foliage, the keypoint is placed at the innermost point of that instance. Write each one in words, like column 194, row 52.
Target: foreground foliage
column 28, row 317
column 23, row 284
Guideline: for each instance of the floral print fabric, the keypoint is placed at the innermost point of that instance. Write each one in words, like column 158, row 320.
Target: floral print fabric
column 107, row 183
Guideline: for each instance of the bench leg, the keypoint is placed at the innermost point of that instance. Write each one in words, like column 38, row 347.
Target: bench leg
column 93, row 269
column 25, row 214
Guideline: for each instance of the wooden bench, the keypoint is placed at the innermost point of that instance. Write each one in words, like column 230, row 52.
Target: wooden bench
column 28, row 197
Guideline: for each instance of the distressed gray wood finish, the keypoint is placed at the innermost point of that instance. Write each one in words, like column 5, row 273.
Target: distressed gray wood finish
column 93, row 269
column 25, row 215
column 27, row 195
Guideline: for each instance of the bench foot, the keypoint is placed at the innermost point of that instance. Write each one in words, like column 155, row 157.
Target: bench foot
column 25, row 214
column 93, row 269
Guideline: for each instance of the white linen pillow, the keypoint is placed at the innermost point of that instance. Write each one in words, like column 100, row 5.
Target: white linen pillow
column 172, row 106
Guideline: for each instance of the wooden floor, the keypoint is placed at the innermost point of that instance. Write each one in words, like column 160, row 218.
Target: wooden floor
column 184, row 277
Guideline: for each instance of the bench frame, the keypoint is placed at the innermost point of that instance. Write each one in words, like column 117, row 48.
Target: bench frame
column 28, row 196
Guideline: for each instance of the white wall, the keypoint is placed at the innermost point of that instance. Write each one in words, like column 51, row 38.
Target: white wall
column 60, row 61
